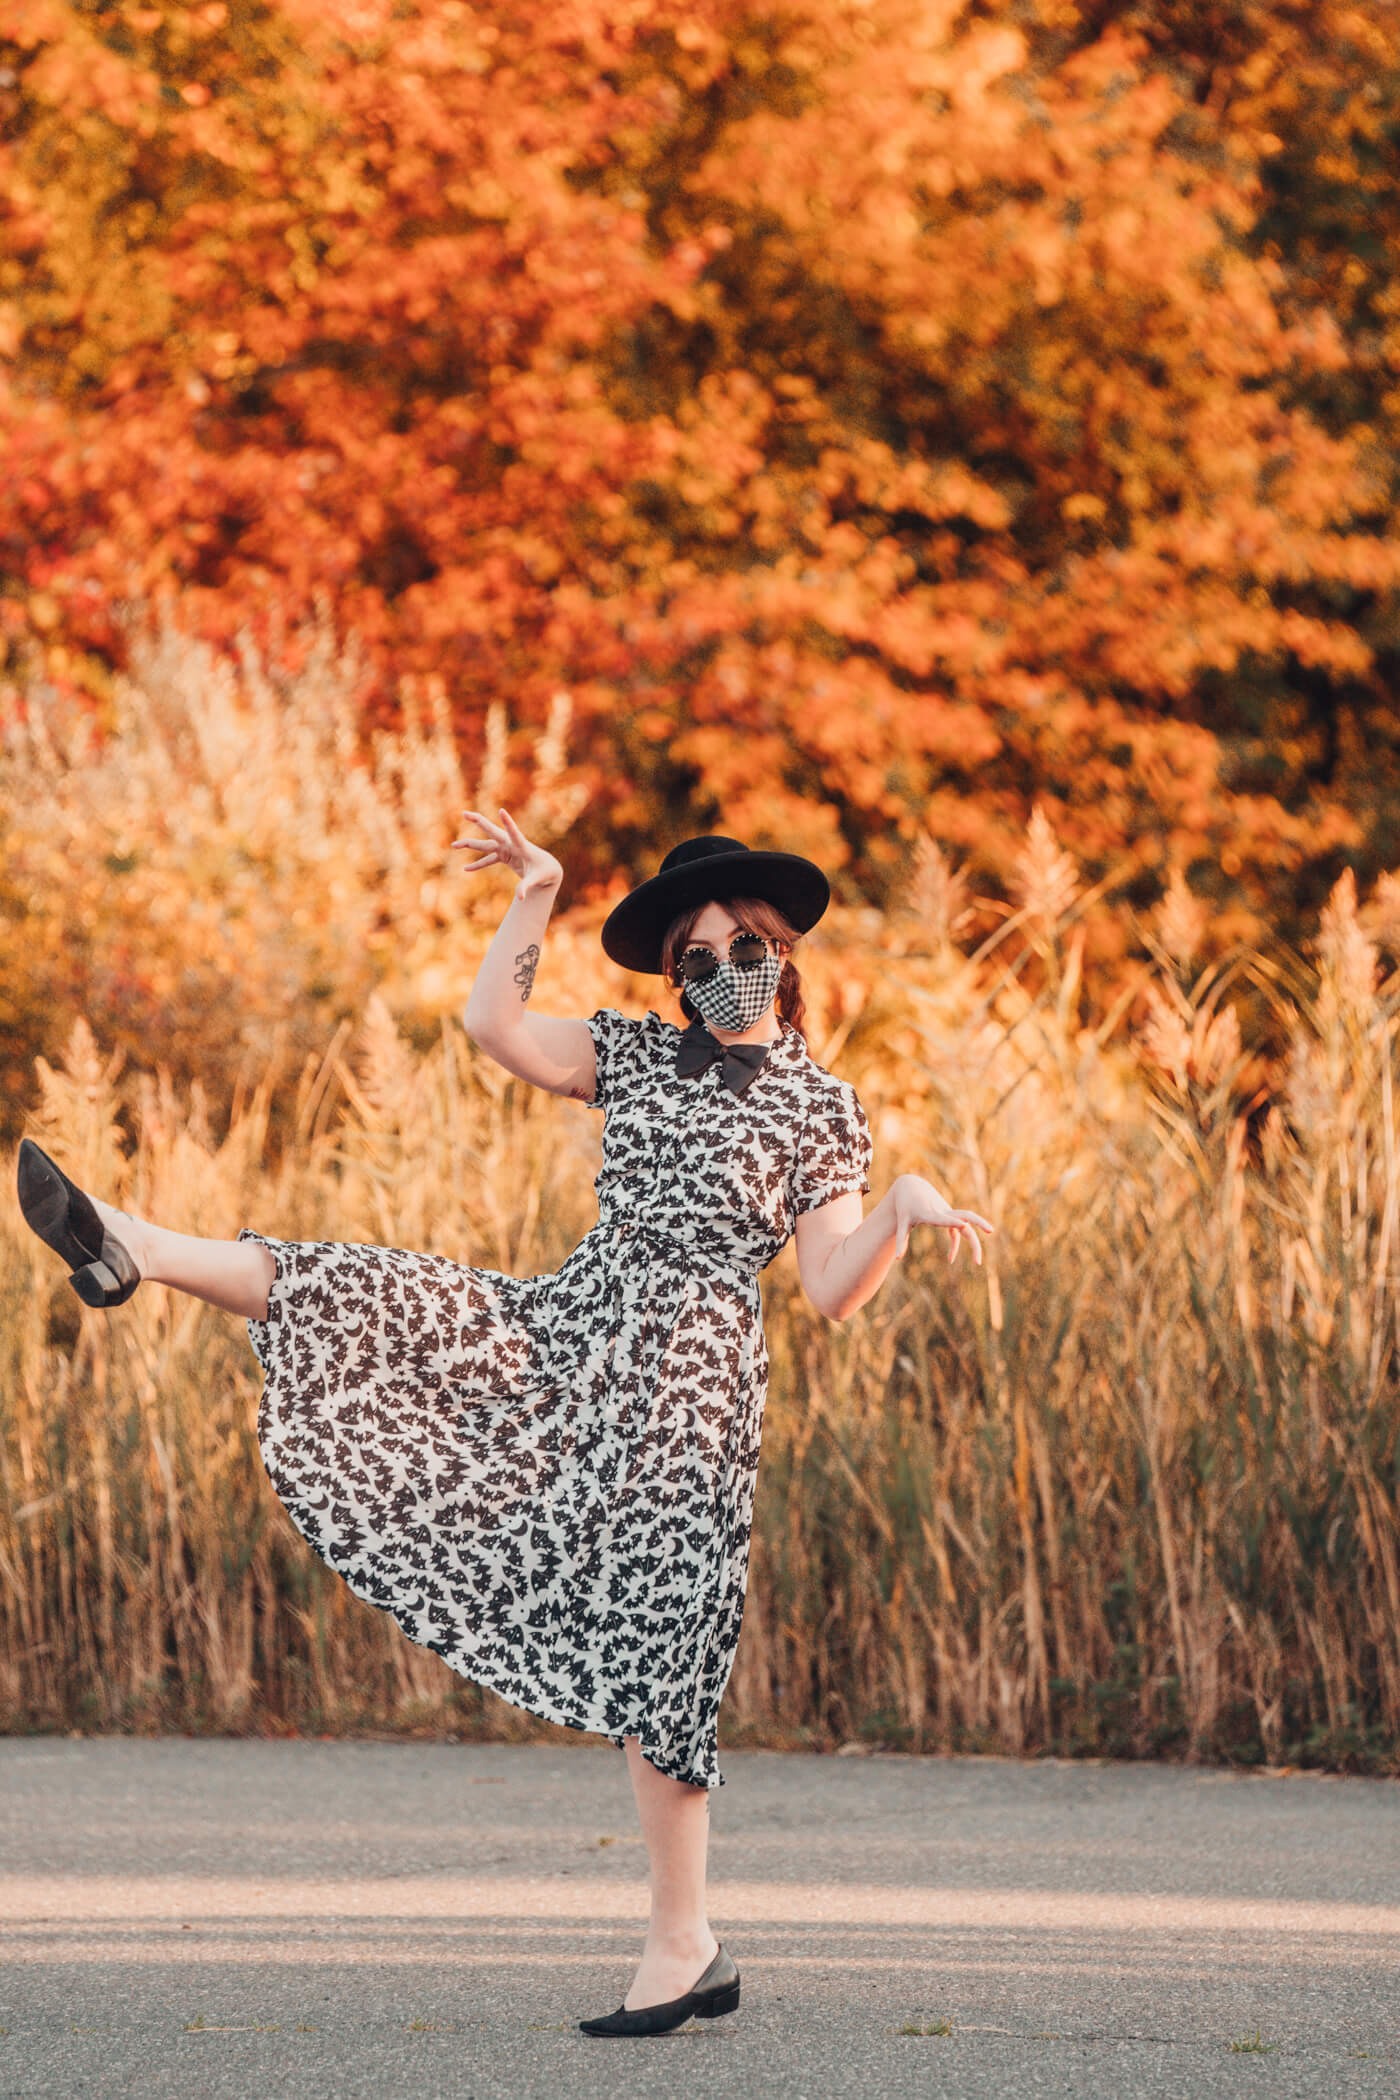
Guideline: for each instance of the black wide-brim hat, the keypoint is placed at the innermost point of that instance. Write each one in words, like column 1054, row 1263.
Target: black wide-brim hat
column 706, row 871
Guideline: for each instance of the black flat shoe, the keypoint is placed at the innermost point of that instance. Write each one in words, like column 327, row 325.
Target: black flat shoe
column 56, row 1208
column 716, row 1992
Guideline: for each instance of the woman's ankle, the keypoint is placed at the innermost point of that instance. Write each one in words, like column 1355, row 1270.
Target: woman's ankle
column 130, row 1231
column 677, row 1937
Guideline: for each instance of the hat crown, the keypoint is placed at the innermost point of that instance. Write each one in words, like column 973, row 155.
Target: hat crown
column 698, row 870
column 691, row 850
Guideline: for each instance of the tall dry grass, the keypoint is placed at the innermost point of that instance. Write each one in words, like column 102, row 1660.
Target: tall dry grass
column 222, row 865
column 1131, row 1489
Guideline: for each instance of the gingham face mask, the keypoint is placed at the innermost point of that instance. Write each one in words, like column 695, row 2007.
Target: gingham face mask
column 734, row 992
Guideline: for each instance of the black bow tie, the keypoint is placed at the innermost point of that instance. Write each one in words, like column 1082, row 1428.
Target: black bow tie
column 742, row 1062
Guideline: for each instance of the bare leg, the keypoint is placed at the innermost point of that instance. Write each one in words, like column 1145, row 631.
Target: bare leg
column 235, row 1275
column 675, row 1821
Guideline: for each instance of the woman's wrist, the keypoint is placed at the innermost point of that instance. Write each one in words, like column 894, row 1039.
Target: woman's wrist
column 537, row 885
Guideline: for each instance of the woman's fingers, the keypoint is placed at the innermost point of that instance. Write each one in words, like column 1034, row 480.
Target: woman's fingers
column 504, row 848
column 497, row 831
column 482, row 824
column 957, row 1224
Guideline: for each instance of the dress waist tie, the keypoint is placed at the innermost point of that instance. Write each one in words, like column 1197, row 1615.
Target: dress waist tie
column 700, row 1252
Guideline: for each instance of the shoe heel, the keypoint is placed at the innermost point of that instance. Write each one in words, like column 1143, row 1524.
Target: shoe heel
column 109, row 1282
column 95, row 1285
column 725, row 2001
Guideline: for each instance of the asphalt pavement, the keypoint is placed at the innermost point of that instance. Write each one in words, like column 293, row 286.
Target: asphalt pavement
column 398, row 1921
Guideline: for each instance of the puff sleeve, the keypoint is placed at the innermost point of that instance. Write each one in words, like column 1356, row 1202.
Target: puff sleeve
column 834, row 1152
column 620, row 1048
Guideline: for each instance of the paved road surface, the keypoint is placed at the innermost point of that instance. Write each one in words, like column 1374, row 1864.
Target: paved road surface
column 347, row 1921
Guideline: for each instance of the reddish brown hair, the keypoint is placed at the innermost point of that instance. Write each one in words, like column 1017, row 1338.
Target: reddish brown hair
column 755, row 915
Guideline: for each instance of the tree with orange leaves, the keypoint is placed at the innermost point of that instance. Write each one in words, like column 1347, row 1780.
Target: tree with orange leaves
column 877, row 416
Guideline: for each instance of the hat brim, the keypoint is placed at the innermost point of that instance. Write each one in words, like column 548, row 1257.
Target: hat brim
column 634, row 929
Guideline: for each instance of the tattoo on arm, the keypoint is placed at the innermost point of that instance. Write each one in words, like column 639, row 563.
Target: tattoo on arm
column 529, row 961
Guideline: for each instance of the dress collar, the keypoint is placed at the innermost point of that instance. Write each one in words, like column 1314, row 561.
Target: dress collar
column 789, row 1040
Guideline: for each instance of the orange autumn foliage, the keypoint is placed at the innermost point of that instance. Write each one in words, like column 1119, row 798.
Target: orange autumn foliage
column 878, row 417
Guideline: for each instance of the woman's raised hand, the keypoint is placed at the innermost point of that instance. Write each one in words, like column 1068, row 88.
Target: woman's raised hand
column 917, row 1202
column 506, row 846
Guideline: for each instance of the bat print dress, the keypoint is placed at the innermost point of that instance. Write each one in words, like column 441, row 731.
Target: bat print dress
column 549, row 1480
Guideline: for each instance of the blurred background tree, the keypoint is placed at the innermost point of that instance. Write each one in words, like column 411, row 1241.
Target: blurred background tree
column 878, row 417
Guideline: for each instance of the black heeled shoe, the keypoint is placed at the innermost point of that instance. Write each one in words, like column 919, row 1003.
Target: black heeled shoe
column 104, row 1273
column 716, row 1992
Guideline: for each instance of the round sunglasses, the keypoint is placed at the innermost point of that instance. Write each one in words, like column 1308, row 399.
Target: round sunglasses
column 699, row 963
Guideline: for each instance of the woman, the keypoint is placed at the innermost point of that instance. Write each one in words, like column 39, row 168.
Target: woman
column 550, row 1480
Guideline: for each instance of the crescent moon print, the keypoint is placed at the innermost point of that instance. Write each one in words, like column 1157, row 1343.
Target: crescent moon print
column 550, row 1480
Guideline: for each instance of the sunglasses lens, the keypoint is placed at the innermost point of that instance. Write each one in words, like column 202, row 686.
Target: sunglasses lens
column 700, row 963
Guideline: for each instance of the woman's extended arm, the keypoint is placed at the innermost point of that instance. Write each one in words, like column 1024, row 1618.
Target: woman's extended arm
column 843, row 1259
column 555, row 1054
